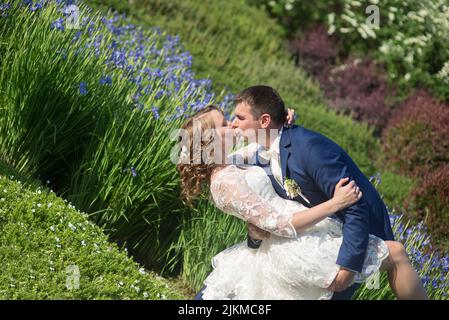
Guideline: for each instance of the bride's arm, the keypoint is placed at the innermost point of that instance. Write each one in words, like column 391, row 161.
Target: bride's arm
column 344, row 196
column 233, row 195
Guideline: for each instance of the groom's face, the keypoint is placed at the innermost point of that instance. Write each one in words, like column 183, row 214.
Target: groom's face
column 244, row 119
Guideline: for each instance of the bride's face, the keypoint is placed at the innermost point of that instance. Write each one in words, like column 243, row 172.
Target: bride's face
column 225, row 136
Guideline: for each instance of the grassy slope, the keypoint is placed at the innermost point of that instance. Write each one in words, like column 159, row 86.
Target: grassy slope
column 41, row 235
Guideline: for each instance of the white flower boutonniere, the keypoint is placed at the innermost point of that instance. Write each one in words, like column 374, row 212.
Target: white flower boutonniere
column 292, row 188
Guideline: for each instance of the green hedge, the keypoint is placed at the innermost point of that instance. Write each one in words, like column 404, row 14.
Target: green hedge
column 42, row 238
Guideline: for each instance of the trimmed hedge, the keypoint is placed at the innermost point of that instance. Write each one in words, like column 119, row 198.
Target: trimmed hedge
column 43, row 239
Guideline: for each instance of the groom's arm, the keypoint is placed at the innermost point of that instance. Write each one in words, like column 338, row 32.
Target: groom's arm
column 326, row 167
column 255, row 236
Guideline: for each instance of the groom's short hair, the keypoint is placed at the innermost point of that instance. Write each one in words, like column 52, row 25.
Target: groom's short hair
column 263, row 99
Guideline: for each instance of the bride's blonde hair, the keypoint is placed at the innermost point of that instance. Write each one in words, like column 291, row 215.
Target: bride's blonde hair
column 196, row 174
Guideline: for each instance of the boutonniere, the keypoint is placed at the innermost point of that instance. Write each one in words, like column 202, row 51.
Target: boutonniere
column 291, row 187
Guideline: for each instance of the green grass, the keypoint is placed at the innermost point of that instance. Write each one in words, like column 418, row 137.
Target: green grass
column 42, row 236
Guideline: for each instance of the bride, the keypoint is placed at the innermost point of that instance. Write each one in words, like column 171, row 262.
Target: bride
column 297, row 261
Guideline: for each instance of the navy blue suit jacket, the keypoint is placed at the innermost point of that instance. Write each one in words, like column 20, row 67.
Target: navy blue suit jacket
column 317, row 163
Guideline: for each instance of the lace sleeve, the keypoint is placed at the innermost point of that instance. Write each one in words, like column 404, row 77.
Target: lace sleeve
column 232, row 194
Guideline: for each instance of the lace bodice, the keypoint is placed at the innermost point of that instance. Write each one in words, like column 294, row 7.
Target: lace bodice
column 247, row 193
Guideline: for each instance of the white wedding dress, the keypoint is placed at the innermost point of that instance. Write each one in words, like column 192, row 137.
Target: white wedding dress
column 287, row 265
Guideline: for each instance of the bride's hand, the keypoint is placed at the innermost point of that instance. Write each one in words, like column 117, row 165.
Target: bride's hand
column 290, row 117
column 345, row 196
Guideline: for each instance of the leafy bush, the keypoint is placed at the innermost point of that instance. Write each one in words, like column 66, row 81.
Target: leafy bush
column 358, row 86
column 429, row 203
column 361, row 88
column 411, row 40
column 315, row 51
column 296, row 16
column 417, row 135
column 45, row 242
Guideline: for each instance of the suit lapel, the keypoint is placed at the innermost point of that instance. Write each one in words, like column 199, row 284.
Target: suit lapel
column 284, row 150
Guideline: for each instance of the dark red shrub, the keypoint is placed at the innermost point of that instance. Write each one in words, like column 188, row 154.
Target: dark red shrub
column 416, row 139
column 314, row 51
column 359, row 87
column 429, row 202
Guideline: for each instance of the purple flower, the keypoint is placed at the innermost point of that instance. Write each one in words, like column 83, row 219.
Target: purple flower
column 4, row 7
column 155, row 112
column 83, row 88
column 133, row 172
column 106, row 80
column 58, row 24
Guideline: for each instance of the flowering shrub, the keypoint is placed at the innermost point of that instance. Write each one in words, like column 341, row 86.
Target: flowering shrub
column 411, row 39
column 50, row 250
column 429, row 202
column 361, row 88
column 417, row 135
column 314, row 51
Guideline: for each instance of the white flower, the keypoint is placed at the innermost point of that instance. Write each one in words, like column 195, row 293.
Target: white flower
column 292, row 188
column 444, row 72
column 345, row 30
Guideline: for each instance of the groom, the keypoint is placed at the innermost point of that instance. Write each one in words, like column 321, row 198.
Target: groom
column 316, row 164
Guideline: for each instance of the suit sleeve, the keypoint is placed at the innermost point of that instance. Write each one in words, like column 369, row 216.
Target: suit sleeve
column 326, row 166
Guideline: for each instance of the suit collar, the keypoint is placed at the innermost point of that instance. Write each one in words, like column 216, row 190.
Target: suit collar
column 285, row 137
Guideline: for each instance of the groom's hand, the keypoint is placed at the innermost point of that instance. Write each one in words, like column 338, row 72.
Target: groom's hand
column 256, row 233
column 342, row 281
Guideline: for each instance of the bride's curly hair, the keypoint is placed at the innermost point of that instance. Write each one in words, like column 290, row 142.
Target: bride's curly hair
column 196, row 174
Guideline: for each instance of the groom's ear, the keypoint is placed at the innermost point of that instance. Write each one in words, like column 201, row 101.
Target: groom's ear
column 265, row 120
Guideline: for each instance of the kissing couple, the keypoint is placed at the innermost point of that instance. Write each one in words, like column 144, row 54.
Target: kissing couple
column 317, row 227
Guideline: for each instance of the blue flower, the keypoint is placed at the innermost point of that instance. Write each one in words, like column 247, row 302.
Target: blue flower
column 133, row 172
column 83, row 88
column 4, row 7
column 58, row 24
column 106, row 80
column 155, row 112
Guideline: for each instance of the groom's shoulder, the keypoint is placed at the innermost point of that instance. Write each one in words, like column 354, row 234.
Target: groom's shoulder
column 307, row 135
